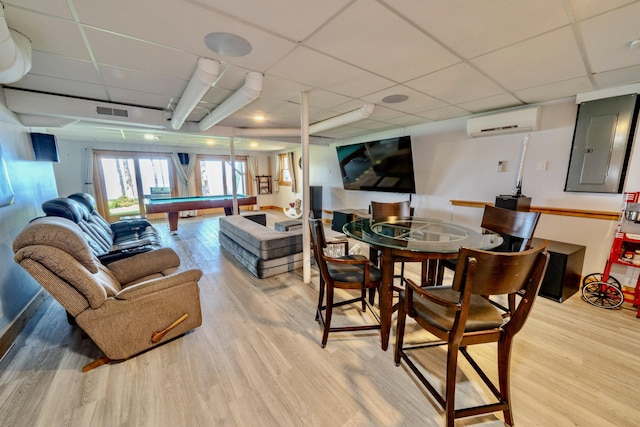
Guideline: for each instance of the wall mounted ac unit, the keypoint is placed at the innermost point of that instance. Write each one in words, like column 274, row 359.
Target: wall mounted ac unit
column 523, row 120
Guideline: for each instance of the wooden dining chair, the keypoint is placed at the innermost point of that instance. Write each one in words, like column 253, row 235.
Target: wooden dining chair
column 384, row 210
column 460, row 316
column 515, row 227
column 343, row 272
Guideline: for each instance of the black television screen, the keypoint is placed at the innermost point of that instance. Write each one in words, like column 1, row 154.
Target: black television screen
column 380, row 165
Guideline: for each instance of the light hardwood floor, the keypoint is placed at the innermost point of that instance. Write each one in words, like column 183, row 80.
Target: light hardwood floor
column 257, row 361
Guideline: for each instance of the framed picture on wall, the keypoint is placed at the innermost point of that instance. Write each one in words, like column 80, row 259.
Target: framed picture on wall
column 6, row 192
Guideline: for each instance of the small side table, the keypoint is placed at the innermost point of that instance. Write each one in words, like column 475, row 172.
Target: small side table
column 564, row 272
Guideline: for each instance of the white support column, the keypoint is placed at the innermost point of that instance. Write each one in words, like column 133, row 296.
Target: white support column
column 306, row 199
column 234, row 186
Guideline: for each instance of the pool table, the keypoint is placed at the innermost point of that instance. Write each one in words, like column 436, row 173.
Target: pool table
column 174, row 205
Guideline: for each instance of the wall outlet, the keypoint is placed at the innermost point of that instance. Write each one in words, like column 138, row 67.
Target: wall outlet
column 502, row 165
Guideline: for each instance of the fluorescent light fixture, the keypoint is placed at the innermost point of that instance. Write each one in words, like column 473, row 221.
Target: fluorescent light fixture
column 203, row 78
column 246, row 94
column 344, row 119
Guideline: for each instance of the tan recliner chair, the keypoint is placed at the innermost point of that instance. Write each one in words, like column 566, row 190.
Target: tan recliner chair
column 130, row 306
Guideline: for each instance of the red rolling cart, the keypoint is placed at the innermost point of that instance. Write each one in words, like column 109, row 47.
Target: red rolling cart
column 603, row 290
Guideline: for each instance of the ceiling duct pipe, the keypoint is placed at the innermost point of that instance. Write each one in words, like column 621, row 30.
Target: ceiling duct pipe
column 344, row 119
column 15, row 53
column 247, row 93
column 204, row 77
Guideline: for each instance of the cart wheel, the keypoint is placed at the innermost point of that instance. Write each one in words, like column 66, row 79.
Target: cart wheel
column 597, row 277
column 602, row 294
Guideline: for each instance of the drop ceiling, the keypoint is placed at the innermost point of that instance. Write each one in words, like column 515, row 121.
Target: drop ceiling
column 450, row 58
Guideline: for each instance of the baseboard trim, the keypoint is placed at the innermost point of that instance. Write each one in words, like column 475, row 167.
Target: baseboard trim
column 11, row 333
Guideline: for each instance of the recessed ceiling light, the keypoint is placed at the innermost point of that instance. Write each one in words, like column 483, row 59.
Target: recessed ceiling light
column 210, row 142
column 394, row 99
column 253, row 144
column 634, row 44
column 258, row 118
column 227, row 44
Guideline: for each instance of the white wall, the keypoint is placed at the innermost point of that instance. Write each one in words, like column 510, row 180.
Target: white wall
column 33, row 183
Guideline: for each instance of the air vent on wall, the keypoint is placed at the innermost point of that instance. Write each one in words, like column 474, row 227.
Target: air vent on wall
column 117, row 112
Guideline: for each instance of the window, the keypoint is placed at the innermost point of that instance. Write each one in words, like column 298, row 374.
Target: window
column 214, row 176
column 285, row 171
column 125, row 179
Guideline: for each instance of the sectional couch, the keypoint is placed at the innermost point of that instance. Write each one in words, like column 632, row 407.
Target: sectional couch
column 260, row 249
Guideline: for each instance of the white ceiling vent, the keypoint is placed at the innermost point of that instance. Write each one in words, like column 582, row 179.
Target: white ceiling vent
column 117, row 112
column 523, row 120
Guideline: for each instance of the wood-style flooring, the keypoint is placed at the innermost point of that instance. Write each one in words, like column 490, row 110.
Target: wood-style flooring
column 256, row 361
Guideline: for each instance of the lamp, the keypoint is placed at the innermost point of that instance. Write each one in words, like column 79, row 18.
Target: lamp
column 203, row 78
column 247, row 93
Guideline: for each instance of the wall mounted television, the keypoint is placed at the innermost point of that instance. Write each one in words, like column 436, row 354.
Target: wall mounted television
column 380, row 165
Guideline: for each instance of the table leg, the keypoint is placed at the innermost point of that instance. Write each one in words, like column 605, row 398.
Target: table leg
column 173, row 222
column 386, row 296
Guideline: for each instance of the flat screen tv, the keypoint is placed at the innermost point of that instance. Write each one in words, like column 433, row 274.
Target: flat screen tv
column 380, row 165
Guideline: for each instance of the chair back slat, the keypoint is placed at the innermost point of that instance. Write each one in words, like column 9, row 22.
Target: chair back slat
column 390, row 209
column 511, row 224
column 498, row 273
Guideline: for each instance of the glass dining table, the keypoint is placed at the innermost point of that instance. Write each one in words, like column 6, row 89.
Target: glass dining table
column 414, row 239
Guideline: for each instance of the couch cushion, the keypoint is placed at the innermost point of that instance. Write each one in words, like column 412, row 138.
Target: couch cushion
column 259, row 240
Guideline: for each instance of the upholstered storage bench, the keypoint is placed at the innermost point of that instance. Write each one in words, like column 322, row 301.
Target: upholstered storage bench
column 261, row 250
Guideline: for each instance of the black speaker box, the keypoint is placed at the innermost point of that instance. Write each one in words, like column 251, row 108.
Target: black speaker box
column 45, row 147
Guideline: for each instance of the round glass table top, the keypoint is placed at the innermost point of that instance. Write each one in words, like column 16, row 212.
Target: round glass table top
column 420, row 234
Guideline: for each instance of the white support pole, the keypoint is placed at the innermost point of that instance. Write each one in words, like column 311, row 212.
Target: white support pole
column 234, row 186
column 306, row 199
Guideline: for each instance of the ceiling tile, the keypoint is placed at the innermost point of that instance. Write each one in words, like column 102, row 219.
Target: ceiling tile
column 619, row 77
column 142, row 82
column 314, row 69
column 444, row 113
column 472, row 28
column 48, row 33
column 458, row 83
column 123, row 52
column 183, row 26
column 551, row 57
column 59, row 8
column 496, row 102
column 557, row 90
column 417, row 101
column 606, row 49
column 63, row 67
column 275, row 15
column 374, row 38
column 583, row 9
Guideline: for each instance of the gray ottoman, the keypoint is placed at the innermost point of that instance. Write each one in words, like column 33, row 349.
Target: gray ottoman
column 292, row 224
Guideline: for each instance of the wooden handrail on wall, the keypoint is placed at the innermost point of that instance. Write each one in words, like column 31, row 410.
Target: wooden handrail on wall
column 610, row 216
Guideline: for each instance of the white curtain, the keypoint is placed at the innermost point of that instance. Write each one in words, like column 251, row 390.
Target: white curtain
column 88, row 176
column 292, row 171
column 186, row 184
column 252, row 163
column 276, row 175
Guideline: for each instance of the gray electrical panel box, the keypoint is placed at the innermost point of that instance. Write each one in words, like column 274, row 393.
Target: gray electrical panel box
column 601, row 144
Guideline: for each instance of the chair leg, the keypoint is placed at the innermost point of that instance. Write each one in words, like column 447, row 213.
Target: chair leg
column 327, row 316
column 372, row 295
column 504, row 362
column 450, row 392
column 402, row 318
column 320, row 298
